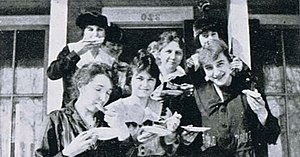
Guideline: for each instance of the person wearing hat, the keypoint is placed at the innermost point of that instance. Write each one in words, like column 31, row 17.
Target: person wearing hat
column 207, row 29
column 115, row 41
column 75, row 55
column 110, row 52
column 239, row 117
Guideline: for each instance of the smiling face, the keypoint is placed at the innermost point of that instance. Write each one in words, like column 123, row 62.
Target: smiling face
column 142, row 83
column 113, row 49
column 207, row 35
column 171, row 56
column 92, row 32
column 218, row 70
column 96, row 92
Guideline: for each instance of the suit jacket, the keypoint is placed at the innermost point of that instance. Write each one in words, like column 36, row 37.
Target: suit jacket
column 235, row 128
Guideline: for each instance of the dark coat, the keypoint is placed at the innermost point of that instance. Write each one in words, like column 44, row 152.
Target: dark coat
column 186, row 106
column 235, row 128
column 63, row 126
column 64, row 67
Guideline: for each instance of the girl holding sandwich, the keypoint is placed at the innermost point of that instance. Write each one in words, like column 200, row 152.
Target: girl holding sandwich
column 90, row 49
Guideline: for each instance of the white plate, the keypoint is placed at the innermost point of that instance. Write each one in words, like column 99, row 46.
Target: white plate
column 157, row 130
column 172, row 92
column 195, row 129
column 251, row 93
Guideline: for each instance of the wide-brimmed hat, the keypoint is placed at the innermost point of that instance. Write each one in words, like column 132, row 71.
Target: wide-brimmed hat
column 91, row 18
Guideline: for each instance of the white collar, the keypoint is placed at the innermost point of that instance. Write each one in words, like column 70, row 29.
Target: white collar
column 177, row 73
column 219, row 92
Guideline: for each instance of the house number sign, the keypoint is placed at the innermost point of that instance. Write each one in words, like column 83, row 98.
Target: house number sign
column 148, row 14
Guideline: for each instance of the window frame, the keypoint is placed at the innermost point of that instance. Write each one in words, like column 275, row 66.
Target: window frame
column 23, row 23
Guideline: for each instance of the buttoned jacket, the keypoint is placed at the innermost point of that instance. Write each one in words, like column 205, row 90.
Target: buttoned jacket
column 235, row 128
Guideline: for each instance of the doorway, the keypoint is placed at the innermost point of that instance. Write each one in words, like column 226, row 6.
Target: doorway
column 140, row 39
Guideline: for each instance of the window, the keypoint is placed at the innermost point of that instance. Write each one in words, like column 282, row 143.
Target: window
column 276, row 59
column 23, row 51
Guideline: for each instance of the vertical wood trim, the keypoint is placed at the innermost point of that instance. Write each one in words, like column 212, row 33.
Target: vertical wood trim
column 57, row 40
column 285, row 93
column 13, row 112
column 45, row 88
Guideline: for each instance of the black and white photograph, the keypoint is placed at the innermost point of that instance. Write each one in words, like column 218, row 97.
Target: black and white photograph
column 135, row 78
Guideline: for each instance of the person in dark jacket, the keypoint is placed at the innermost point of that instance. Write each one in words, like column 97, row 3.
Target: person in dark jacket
column 206, row 29
column 175, row 90
column 79, row 129
column 239, row 118
column 100, row 43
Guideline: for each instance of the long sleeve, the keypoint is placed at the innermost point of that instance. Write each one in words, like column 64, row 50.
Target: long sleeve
column 190, row 116
column 271, row 130
column 197, row 77
column 262, row 134
column 49, row 145
column 65, row 64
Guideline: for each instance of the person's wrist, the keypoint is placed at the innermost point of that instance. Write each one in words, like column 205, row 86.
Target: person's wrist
column 170, row 139
column 263, row 116
column 64, row 152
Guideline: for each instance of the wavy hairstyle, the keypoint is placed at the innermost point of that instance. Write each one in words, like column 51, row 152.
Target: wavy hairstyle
column 169, row 36
column 86, row 74
column 166, row 37
column 144, row 61
column 211, row 51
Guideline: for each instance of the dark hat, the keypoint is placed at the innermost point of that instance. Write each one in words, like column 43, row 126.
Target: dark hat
column 211, row 24
column 91, row 18
column 115, row 34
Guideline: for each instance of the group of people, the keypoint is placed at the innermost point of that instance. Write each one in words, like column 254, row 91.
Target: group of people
column 160, row 104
